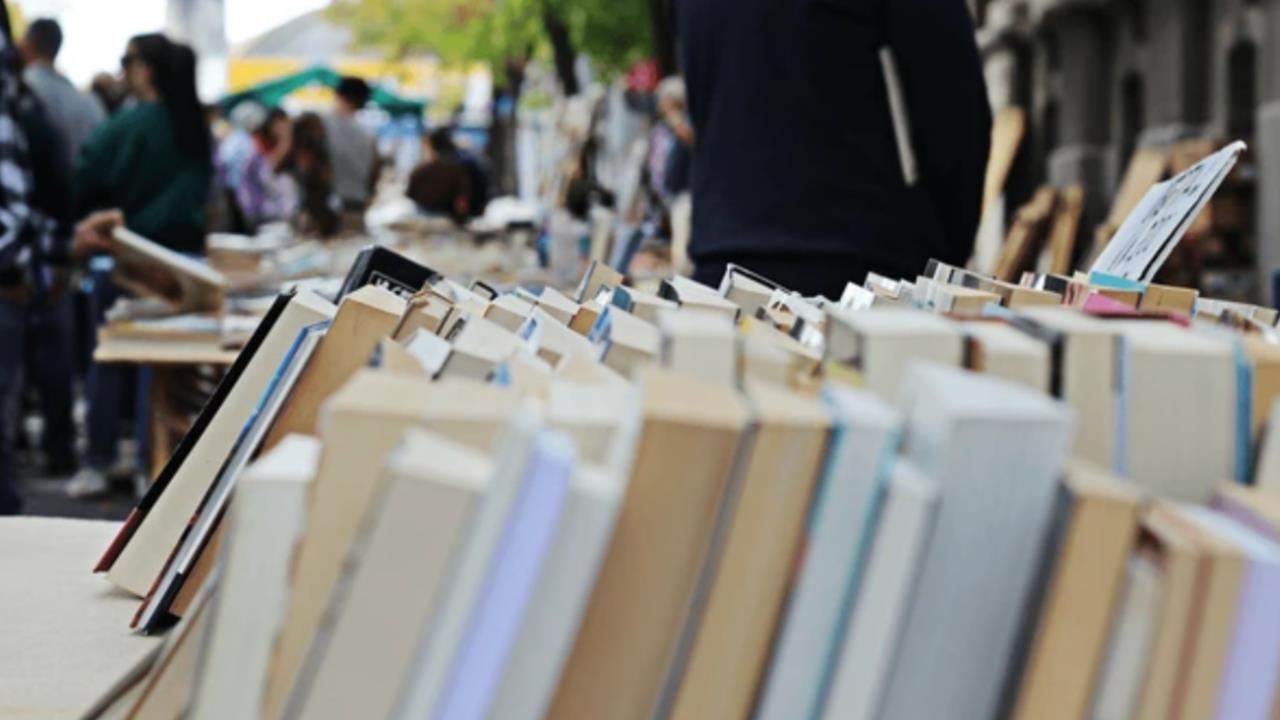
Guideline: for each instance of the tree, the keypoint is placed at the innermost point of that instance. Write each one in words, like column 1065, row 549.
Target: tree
column 613, row 33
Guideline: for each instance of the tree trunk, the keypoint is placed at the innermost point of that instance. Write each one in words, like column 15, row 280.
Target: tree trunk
column 664, row 37
column 562, row 46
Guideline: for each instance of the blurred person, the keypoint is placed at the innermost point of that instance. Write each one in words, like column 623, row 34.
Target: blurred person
column 312, row 169
column 109, row 91
column 233, row 152
column 353, row 150
column 798, row 170
column 441, row 185
column 153, row 162
column 73, row 114
column 34, row 243
column 266, row 192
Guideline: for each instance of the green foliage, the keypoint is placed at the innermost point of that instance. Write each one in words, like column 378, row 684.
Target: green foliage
column 614, row 33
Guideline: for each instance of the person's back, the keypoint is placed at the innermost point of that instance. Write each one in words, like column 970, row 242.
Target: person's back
column 796, row 169
column 73, row 114
column 352, row 149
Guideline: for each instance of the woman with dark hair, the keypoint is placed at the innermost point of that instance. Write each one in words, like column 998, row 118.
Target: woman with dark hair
column 153, row 162
column 312, row 169
column 266, row 193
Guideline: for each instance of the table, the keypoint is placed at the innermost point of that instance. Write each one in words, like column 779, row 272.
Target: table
column 167, row 421
column 66, row 637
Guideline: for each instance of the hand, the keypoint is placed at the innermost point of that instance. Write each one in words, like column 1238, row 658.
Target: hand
column 93, row 234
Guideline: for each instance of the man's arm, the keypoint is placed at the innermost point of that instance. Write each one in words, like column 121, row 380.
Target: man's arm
column 946, row 96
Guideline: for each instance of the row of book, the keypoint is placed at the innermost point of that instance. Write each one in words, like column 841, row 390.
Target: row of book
column 437, row 499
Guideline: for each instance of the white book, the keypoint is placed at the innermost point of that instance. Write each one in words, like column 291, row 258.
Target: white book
column 394, row 578
column 702, row 344
column 1177, row 410
column 499, row 612
column 879, row 344
column 996, row 451
column 875, row 622
column 840, row 536
column 1001, row 351
column 438, row 643
column 249, row 604
column 1120, row 677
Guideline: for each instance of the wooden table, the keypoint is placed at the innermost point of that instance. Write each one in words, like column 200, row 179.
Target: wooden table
column 167, row 359
column 66, row 636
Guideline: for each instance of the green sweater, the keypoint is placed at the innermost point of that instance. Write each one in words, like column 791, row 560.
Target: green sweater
column 132, row 162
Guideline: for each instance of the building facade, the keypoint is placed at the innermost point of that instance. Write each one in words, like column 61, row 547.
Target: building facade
column 1099, row 79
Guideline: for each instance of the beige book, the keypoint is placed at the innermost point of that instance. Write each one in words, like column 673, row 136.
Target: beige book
column 996, row 349
column 690, row 440
column 745, row 291
column 764, row 361
column 879, row 345
column 701, row 344
column 148, row 268
column 1182, row 562
column 393, row 580
column 263, row 525
column 696, row 296
column 597, row 276
column 1212, row 622
column 957, row 300
column 528, row 375
column 730, row 651
column 508, row 312
column 1169, row 298
column 552, row 340
column 431, row 352
column 589, row 413
column 397, row 360
column 632, row 343
column 479, row 346
column 363, row 319
column 1084, row 356
column 426, row 312
column 363, row 422
column 142, row 560
column 647, row 306
column 557, row 305
column 1100, row 515
column 586, row 317
column 581, row 369
column 803, row 361
column 1264, row 360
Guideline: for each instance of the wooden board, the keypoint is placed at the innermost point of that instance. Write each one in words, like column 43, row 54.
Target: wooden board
column 1027, row 236
column 162, row 352
column 1064, row 231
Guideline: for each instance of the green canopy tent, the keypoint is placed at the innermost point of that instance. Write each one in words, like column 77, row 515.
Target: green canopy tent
column 272, row 92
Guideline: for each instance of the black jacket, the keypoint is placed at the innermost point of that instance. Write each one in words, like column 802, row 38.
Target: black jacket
column 795, row 152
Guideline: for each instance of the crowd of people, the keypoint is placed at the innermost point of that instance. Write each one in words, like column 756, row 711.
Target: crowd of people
column 139, row 149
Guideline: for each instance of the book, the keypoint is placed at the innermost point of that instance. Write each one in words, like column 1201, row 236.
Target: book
column 552, row 340
column 746, row 289
column 437, row 645
column 957, row 300
column 879, row 345
column 589, row 413
column 363, row 318
column 646, row 306
column 425, row 311
column 999, row 350
column 394, row 578
column 1129, row 647
column 151, row 532
column 515, row 572
column 557, row 305
column 248, row 608
column 979, row 438
column 1169, row 298
column 508, row 312
column 624, row 342
column 384, row 268
column 479, row 347
column 689, row 445
column 166, row 691
column 147, row 268
column 700, row 344
column 765, row 529
column 1176, row 420
column 1083, row 373
column 1098, row 516
column 838, row 538
column 1246, row 682
column 364, row 421
column 695, row 296
column 598, row 275
column 870, row 640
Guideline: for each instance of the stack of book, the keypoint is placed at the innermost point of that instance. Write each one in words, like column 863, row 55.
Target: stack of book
column 948, row 496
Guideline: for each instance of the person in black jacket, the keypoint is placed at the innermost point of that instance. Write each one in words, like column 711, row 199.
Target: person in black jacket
column 798, row 173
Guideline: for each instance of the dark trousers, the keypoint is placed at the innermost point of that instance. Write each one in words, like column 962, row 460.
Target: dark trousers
column 13, row 342
column 51, row 371
column 107, row 390
column 809, row 275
